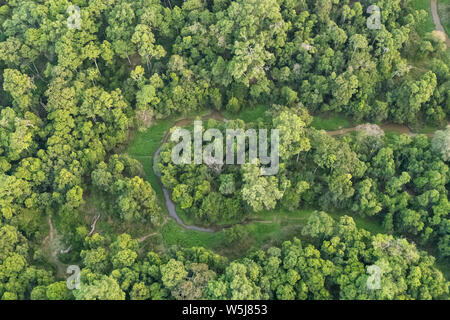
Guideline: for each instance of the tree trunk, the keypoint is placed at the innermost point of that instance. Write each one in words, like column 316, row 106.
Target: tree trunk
column 38, row 73
column 95, row 61
column 67, row 250
column 93, row 225
column 148, row 63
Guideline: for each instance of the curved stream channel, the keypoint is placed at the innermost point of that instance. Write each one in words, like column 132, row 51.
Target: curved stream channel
column 437, row 20
column 167, row 197
column 171, row 207
column 169, row 203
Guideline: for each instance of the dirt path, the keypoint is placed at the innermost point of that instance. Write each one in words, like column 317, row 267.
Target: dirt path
column 385, row 127
column 437, row 20
column 142, row 239
column 51, row 234
column 52, row 245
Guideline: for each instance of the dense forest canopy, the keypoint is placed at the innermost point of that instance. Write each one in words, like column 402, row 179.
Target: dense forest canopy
column 83, row 80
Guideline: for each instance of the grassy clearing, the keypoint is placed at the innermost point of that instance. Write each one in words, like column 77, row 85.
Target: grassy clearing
column 301, row 216
column 260, row 234
column 174, row 234
column 281, row 225
column 427, row 129
column 331, row 122
column 444, row 14
column 249, row 114
column 143, row 148
column 147, row 142
column 428, row 24
column 269, row 228
column 369, row 224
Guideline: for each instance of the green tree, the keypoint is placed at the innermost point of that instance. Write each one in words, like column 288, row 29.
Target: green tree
column 105, row 288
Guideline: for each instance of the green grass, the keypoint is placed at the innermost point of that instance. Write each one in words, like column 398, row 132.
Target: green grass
column 444, row 14
column 427, row 129
column 146, row 143
column 174, row 234
column 263, row 232
column 369, row 224
column 282, row 214
column 260, row 233
column 271, row 227
column 249, row 114
column 331, row 122
column 300, row 216
column 287, row 224
column 143, row 147
column 187, row 219
column 427, row 25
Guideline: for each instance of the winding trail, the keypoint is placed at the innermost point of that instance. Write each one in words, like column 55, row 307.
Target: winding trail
column 437, row 20
column 51, row 242
column 171, row 207
column 167, row 196
column 142, row 239
column 399, row 128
